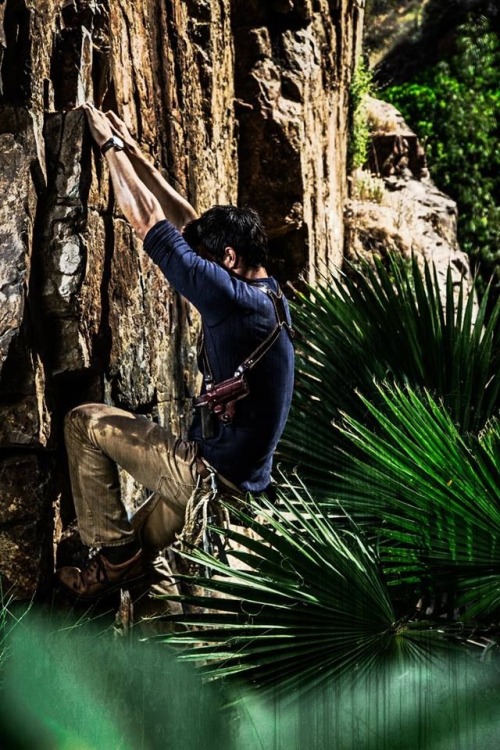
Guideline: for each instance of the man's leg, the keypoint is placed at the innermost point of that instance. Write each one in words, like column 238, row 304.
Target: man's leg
column 100, row 437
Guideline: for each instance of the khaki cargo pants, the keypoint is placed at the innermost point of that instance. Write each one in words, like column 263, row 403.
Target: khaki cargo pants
column 99, row 438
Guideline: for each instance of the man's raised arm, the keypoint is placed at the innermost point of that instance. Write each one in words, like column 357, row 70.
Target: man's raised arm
column 142, row 193
column 176, row 208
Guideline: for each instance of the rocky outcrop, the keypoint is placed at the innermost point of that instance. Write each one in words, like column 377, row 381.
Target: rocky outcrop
column 237, row 102
column 395, row 208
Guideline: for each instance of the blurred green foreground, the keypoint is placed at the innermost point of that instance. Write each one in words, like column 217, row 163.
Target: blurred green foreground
column 67, row 687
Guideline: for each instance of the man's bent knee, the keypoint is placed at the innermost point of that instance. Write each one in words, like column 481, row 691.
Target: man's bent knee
column 78, row 418
column 86, row 412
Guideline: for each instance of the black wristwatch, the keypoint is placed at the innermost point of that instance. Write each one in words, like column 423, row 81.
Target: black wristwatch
column 113, row 142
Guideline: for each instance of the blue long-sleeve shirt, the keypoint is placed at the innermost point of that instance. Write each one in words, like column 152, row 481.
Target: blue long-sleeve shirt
column 237, row 316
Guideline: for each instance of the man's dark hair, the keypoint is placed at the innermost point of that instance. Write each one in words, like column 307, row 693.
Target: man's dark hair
column 229, row 226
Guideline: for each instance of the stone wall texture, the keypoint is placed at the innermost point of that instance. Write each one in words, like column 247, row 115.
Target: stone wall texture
column 237, row 101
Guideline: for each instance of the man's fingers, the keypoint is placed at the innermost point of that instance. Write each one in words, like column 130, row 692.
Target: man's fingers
column 117, row 123
column 113, row 117
column 91, row 108
column 91, row 111
column 100, row 126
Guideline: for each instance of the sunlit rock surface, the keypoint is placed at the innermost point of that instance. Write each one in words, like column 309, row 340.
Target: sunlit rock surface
column 395, row 208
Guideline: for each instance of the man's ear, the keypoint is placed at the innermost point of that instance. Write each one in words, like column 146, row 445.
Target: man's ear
column 230, row 257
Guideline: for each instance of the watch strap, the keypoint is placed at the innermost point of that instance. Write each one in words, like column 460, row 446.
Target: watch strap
column 113, row 142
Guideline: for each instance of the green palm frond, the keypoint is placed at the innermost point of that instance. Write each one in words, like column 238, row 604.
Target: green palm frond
column 309, row 604
column 387, row 325
column 436, row 493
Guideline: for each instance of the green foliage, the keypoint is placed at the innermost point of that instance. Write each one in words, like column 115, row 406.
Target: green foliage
column 308, row 604
column 454, row 108
column 387, row 325
column 309, row 598
column 436, row 495
column 69, row 686
column 359, row 131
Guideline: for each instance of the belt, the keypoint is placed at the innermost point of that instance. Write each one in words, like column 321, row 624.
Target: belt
column 204, row 472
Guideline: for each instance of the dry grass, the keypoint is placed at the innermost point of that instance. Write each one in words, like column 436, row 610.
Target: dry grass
column 367, row 187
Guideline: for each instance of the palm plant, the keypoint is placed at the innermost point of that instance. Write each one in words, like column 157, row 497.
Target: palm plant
column 387, row 325
column 435, row 492
column 318, row 599
column 298, row 604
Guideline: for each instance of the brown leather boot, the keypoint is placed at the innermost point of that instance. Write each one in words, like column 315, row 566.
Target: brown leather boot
column 99, row 577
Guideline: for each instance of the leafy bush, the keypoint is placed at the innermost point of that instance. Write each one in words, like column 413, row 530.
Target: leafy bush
column 453, row 106
column 359, row 137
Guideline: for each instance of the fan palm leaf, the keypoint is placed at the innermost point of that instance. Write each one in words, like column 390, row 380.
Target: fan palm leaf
column 436, row 493
column 297, row 605
column 390, row 324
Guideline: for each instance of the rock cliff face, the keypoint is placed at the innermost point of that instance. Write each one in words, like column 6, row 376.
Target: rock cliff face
column 238, row 101
column 395, row 208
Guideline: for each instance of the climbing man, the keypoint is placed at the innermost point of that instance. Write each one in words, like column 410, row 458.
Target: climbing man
column 217, row 262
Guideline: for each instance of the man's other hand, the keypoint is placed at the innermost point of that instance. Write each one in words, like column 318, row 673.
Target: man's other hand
column 100, row 126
